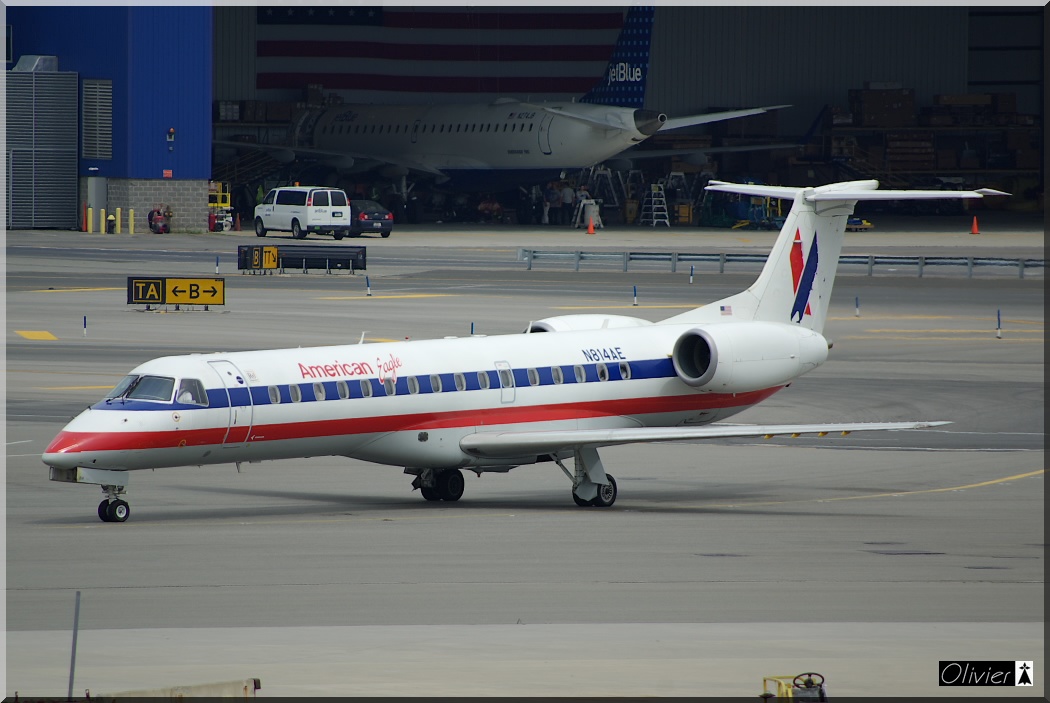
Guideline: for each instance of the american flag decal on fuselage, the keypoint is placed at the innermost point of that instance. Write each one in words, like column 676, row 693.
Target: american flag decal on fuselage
column 802, row 274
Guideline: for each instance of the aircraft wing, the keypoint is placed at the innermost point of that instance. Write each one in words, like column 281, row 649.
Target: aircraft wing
column 690, row 120
column 288, row 153
column 517, row 444
column 636, row 153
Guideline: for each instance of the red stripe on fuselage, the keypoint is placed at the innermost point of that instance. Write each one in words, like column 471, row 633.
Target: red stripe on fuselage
column 72, row 442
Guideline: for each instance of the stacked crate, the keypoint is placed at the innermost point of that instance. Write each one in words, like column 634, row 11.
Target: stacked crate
column 882, row 107
column 910, row 151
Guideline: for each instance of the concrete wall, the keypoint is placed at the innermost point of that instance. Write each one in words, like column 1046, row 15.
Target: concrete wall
column 188, row 200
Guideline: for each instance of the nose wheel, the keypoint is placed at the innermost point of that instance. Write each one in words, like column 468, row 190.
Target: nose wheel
column 113, row 510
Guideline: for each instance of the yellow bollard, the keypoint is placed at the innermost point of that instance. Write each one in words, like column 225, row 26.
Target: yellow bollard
column 102, row 220
column 118, row 221
column 90, row 219
column 131, row 221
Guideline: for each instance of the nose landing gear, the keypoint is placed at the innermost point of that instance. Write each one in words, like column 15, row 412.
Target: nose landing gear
column 113, row 511
column 113, row 508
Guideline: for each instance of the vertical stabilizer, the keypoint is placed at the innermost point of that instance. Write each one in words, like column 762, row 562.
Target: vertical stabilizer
column 796, row 282
column 623, row 84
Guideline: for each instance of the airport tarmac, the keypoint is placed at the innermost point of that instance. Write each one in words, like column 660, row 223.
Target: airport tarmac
column 867, row 558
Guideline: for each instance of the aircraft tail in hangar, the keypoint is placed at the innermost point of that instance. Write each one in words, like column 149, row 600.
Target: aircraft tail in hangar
column 623, row 84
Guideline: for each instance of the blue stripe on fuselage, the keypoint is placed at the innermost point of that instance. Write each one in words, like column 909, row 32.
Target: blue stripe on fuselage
column 259, row 395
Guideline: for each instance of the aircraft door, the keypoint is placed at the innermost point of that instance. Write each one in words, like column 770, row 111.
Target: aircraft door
column 240, row 398
column 506, row 382
column 545, row 133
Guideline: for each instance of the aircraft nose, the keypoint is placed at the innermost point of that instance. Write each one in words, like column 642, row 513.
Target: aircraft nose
column 648, row 122
column 65, row 450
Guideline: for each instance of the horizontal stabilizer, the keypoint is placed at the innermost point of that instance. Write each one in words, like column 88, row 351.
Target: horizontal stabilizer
column 852, row 190
column 691, row 120
column 516, row 444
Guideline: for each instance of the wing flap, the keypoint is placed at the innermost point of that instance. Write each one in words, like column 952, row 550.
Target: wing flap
column 511, row 444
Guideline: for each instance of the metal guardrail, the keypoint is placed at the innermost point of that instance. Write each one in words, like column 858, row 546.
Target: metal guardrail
column 870, row 260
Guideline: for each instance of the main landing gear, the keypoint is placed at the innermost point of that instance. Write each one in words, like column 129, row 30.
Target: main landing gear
column 591, row 486
column 447, row 484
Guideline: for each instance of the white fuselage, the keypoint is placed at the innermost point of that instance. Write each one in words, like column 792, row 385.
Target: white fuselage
column 506, row 135
column 410, row 403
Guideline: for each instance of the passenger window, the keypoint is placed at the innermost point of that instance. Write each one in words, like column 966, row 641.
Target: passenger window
column 390, row 386
column 191, row 391
column 152, row 388
column 366, row 388
column 557, row 375
column 275, row 394
column 435, row 383
column 344, row 390
column 295, row 392
column 483, row 380
column 338, row 198
column 580, row 373
column 506, row 378
column 319, row 392
column 320, row 198
column 413, row 385
column 625, row 370
column 603, row 372
column 534, row 377
column 461, row 382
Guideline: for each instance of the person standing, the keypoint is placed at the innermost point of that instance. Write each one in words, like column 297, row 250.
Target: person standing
column 568, row 199
column 554, row 202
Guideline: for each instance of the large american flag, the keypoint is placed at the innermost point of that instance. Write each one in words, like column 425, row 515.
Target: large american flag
column 433, row 54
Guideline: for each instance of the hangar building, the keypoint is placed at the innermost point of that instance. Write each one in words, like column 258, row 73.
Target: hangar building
column 122, row 109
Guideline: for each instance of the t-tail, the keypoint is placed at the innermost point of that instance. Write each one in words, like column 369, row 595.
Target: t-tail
column 623, row 84
column 795, row 283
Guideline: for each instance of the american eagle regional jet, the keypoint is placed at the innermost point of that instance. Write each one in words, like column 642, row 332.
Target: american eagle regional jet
column 564, row 388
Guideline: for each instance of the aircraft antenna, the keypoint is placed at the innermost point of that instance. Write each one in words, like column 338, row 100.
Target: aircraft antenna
column 362, row 340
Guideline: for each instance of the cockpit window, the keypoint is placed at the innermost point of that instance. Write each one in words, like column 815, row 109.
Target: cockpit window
column 192, row 391
column 144, row 388
column 152, row 388
column 122, row 387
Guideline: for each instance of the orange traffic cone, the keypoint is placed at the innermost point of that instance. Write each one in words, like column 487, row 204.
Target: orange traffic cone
column 590, row 225
column 974, row 230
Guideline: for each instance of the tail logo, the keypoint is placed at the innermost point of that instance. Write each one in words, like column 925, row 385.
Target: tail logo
column 803, row 272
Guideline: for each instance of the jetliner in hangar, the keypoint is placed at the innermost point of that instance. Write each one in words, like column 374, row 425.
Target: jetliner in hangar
column 498, row 145
column 562, row 389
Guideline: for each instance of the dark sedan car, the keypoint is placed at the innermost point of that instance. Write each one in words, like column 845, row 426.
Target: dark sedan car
column 369, row 216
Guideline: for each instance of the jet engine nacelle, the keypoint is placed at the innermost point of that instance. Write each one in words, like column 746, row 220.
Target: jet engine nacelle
column 581, row 323
column 746, row 356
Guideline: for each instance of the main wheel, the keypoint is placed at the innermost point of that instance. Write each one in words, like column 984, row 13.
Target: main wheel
column 450, row 485
column 118, row 511
column 260, row 230
column 580, row 501
column 606, row 494
column 297, row 230
column 103, row 511
column 430, row 493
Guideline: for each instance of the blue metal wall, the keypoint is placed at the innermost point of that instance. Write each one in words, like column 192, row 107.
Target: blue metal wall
column 159, row 59
column 169, row 77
